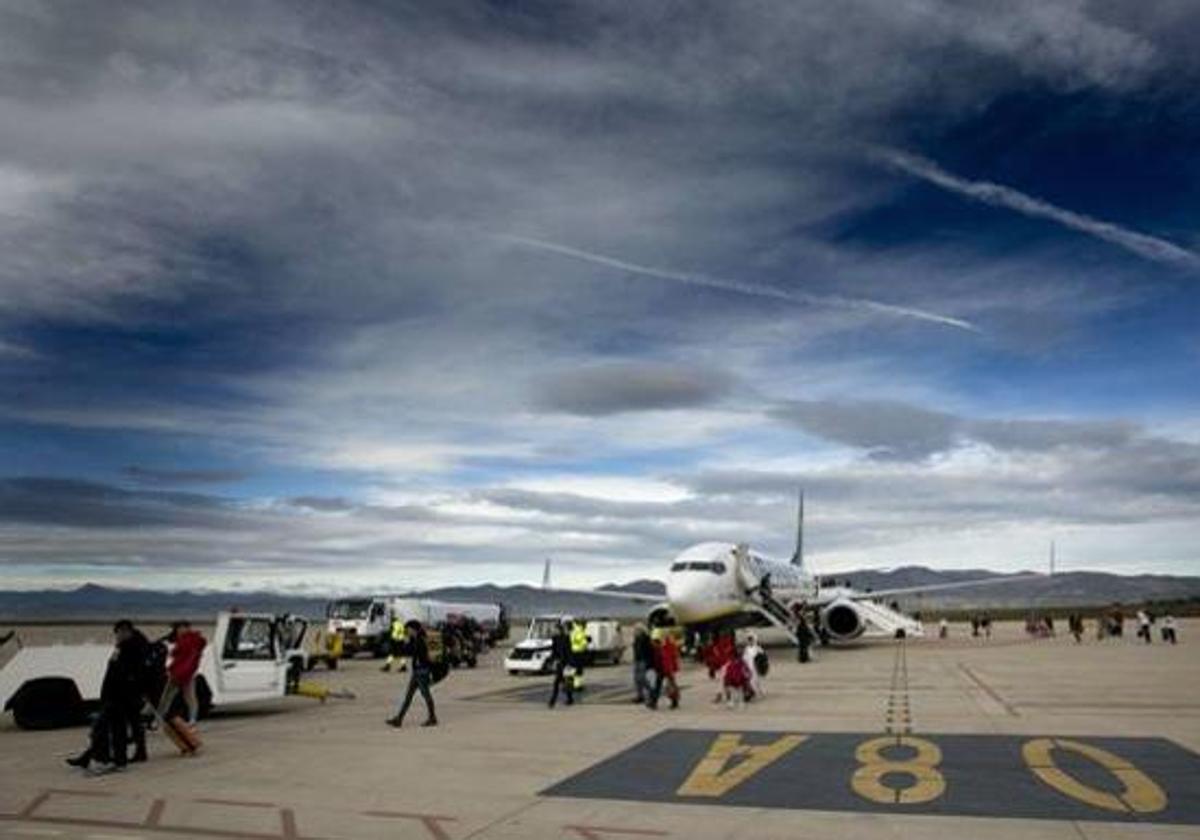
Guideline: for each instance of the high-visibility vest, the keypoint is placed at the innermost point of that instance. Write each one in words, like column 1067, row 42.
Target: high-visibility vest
column 578, row 639
column 398, row 632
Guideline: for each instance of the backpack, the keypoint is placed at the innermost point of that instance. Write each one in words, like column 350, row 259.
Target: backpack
column 762, row 664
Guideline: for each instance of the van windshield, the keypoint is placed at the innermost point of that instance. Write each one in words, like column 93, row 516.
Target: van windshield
column 356, row 608
column 543, row 628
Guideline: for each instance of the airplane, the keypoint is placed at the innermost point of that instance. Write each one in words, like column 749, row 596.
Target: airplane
column 716, row 586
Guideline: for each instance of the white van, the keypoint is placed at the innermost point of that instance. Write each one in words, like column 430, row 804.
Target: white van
column 57, row 685
column 606, row 644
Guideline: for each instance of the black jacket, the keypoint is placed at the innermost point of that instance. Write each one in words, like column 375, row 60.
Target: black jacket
column 643, row 649
column 560, row 650
column 126, row 676
column 418, row 649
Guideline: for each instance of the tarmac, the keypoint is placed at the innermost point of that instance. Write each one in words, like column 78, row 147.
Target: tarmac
column 1012, row 736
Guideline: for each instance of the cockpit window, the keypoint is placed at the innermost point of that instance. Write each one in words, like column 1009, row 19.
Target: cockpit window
column 716, row 568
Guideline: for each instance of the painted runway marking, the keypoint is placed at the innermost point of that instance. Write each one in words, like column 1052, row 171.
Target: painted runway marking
column 988, row 690
column 1029, row 776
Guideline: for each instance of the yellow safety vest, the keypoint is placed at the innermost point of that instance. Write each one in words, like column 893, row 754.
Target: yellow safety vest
column 398, row 632
column 578, row 639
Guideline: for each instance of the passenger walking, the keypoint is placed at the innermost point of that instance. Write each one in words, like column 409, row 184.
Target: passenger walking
column 735, row 680
column 986, row 623
column 754, row 658
column 1143, row 620
column 187, row 646
column 804, row 637
column 417, row 648
column 1168, row 629
column 666, row 666
column 122, row 695
column 560, row 655
column 943, row 629
column 643, row 660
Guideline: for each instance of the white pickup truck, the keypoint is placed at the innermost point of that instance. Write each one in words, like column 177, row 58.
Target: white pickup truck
column 245, row 661
column 531, row 655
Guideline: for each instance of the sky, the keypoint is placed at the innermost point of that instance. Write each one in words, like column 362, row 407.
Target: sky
column 330, row 297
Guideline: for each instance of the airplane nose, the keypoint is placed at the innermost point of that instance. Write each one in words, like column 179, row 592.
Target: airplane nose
column 686, row 594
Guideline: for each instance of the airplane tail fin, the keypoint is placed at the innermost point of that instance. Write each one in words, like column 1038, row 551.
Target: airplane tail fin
column 1051, row 558
column 798, row 555
column 546, row 575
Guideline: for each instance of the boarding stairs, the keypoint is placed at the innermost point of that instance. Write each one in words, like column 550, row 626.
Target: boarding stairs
column 773, row 610
column 884, row 621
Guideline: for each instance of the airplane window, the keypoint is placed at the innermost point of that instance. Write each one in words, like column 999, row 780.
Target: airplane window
column 678, row 567
column 719, row 568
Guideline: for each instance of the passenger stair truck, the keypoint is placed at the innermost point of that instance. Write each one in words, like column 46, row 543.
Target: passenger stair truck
column 606, row 644
column 365, row 623
column 839, row 609
column 58, row 685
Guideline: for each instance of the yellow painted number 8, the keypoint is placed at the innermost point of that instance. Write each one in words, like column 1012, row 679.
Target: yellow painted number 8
column 927, row 782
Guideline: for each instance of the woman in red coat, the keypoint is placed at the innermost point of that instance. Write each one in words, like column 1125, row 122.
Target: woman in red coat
column 187, row 646
column 666, row 666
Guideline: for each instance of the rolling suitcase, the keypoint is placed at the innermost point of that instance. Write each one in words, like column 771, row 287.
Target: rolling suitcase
column 182, row 735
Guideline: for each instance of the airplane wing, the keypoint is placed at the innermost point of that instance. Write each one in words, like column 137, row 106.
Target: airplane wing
column 942, row 587
column 635, row 597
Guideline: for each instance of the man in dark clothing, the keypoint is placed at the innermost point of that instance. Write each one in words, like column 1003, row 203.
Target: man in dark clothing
column 643, row 660
column 421, row 676
column 122, row 695
column 560, row 654
column 804, row 638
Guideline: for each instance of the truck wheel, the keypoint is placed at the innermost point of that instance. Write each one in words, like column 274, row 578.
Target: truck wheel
column 332, row 663
column 48, row 703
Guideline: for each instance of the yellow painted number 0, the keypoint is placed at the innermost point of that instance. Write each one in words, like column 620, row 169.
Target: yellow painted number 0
column 1140, row 795
column 927, row 783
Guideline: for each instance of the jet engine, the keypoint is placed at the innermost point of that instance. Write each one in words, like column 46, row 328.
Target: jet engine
column 842, row 620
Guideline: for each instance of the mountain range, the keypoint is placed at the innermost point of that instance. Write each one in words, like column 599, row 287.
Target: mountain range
column 94, row 602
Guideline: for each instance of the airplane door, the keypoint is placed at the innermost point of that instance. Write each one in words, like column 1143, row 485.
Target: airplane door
column 250, row 664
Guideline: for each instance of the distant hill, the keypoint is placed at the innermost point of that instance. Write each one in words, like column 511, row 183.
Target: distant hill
column 92, row 602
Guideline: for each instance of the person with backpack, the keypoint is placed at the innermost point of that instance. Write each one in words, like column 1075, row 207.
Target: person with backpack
column 421, row 676
column 755, row 659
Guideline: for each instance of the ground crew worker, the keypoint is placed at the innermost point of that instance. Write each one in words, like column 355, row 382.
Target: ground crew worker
column 579, row 643
column 396, row 639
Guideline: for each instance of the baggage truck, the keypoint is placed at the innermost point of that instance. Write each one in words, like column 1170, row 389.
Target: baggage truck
column 365, row 622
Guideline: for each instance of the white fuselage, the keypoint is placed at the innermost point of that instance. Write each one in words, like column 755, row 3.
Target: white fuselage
column 711, row 581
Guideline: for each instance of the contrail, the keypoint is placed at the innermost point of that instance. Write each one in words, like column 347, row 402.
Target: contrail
column 997, row 195
column 739, row 286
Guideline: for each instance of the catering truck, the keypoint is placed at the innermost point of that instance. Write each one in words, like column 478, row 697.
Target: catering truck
column 246, row 661
column 365, row 622
column 531, row 655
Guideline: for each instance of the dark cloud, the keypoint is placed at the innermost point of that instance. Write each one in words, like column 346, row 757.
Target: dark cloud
column 617, row 388
column 885, row 429
column 151, row 475
column 86, row 504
